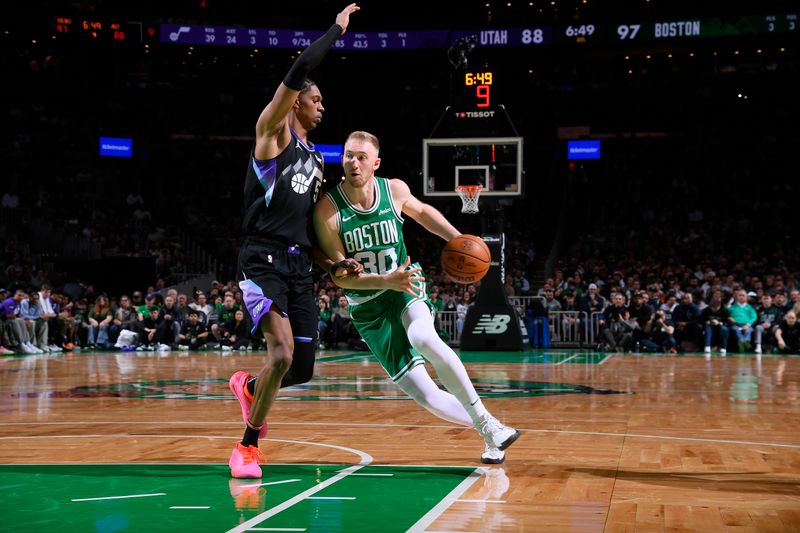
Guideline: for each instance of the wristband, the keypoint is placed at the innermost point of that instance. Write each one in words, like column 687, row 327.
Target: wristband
column 337, row 265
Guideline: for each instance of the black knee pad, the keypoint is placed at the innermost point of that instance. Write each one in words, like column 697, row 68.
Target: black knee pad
column 302, row 368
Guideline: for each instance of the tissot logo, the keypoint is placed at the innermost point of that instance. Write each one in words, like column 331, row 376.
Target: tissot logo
column 474, row 114
column 492, row 324
column 384, row 211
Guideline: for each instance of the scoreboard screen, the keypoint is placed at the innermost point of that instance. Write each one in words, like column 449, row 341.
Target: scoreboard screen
column 624, row 31
column 104, row 30
column 580, row 33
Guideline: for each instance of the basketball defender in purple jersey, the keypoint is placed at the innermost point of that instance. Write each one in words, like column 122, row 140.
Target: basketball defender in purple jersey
column 284, row 176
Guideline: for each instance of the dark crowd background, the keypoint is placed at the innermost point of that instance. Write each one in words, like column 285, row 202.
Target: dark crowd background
column 696, row 189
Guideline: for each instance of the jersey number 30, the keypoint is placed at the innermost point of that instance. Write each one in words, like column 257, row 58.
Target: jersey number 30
column 383, row 262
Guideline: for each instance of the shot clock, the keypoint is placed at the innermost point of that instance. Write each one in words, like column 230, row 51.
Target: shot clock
column 476, row 104
column 476, row 87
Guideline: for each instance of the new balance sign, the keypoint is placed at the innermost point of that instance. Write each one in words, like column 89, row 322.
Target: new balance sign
column 491, row 325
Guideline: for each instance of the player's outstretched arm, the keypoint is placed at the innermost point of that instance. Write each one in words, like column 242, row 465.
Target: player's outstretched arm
column 403, row 279
column 272, row 133
column 428, row 216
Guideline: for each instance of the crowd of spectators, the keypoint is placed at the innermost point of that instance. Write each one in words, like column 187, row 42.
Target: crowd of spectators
column 74, row 318
column 711, row 315
column 685, row 281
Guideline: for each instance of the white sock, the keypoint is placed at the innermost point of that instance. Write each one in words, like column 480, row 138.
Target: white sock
column 423, row 337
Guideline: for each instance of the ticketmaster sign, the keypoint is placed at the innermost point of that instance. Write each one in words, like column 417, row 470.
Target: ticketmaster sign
column 583, row 149
column 116, row 147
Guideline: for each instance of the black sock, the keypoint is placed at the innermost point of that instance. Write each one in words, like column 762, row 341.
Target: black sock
column 251, row 385
column 250, row 437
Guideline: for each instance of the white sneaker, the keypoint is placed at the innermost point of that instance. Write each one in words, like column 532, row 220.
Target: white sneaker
column 723, row 351
column 495, row 433
column 163, row 347
column 758, row 348
column 183, row 347
column 708, row 349
column 54, row 348
column 226, row 348
column 30, row 348
column 44, row 348
column 492, row 455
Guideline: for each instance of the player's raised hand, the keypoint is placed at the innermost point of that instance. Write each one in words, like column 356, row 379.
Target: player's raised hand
column 406, row 279
column 343, row 18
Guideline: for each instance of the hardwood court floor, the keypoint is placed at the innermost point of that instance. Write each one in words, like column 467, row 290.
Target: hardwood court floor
column 140, row 441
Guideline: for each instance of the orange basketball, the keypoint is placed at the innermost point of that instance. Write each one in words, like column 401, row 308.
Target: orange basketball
column 466, row 259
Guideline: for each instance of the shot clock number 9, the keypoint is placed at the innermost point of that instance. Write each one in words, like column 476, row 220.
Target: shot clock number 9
column 483, row 86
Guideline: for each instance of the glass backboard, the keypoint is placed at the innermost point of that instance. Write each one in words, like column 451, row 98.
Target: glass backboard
column 495, row 163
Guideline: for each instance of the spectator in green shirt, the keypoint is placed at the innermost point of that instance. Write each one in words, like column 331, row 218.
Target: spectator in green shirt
column 224, row 313
column 743, row 316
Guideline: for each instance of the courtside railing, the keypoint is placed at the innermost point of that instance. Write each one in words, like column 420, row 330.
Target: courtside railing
column 568, row 329
column 446, row 325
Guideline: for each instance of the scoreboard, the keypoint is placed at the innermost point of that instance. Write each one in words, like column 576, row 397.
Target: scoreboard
column 104, row 30
column 624, row 32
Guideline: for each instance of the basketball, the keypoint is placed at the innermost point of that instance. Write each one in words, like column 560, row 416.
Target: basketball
column 466, row 259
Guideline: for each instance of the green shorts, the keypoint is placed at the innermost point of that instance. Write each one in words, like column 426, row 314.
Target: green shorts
column 379, row 320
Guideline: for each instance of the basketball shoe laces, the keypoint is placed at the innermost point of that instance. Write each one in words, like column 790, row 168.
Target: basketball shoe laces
column 489, row 426
column 251, row 453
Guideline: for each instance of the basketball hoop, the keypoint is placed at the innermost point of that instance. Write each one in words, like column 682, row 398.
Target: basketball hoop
column 469, row 197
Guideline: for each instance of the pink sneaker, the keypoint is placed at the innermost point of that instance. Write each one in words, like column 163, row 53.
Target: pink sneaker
column 238, row 386
column 244, row 461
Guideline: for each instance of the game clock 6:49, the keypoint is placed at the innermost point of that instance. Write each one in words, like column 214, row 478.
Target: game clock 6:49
column 478, row 87
column 579, row 32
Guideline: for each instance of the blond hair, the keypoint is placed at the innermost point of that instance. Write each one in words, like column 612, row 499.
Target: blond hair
column 365, row 136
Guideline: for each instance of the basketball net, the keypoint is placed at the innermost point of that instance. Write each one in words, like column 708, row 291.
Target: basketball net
column 469, row 197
